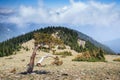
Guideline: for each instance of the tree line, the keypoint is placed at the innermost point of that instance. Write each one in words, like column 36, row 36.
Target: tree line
column 67, row 36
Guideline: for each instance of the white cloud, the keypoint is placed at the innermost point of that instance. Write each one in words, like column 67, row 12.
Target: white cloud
column 91, row 13
column 6, row 11
column 98, row 20
column 79, row 13
column 41, row 3
column 26, row 11
column 71, row 1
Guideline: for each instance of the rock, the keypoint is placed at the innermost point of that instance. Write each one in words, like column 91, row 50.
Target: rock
column 58, row 75
column 107, row 78
column 13, row 71
column 82, row 73
column 78, row 79
column 47, row 78
column 23, row 60
column 108, row 73
column 17, row 76
column 64, row 74
column 9, row 58
column 57, row 61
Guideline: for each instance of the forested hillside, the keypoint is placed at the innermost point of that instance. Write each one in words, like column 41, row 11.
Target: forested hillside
column 68, row 36
column 10, row 46
column 87, row 38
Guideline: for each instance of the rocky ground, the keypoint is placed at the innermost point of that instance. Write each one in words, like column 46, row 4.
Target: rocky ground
column 14, row 67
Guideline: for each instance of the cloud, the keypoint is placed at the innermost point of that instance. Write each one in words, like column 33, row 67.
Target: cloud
column 4, row 14
column 72, row 1
column 91, row 13
column 103, row 18
column 5, row 11
column 78, row 13
column 91, row 17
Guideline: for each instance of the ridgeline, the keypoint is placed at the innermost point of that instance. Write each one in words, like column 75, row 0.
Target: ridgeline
column 69, row 37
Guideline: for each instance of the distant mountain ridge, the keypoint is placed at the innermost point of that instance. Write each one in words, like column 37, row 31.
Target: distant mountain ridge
column 114, row 45
column 8, row 31
column 87, row 38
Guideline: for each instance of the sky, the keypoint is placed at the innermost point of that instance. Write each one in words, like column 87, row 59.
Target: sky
column 99, row 19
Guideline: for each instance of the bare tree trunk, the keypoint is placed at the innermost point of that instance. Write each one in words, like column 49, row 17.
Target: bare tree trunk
column 32, row 59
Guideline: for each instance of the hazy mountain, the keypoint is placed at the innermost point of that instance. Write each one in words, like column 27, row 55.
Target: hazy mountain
column 96, row 43
column 7, row 31
column 114, row 45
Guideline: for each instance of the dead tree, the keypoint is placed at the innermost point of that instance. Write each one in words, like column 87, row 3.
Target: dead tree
column 32, row 59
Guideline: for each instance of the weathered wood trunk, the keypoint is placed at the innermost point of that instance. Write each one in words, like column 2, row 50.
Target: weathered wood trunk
column 32, row 59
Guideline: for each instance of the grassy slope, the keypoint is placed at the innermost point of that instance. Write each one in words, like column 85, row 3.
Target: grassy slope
column 70, row 70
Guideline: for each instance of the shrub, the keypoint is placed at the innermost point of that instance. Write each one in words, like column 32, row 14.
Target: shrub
column 62, row 47
column 78, row 58
column 45, row 50
column 92, row 59
column 117, row 59
column 57, row 61
column 87, row 56
column 25, row 48
column 53, row 51
column 65, row 53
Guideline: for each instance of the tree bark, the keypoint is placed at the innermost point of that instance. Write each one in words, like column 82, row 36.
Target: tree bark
column 32, row 59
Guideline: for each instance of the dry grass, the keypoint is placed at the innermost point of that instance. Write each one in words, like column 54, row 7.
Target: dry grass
column 117, row 59
column 11, row 66
column 87, row 57
column 65, row 53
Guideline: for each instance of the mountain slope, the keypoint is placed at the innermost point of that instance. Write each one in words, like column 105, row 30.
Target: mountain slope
column 114, row 45
column 87, row 38
column 70, row 37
